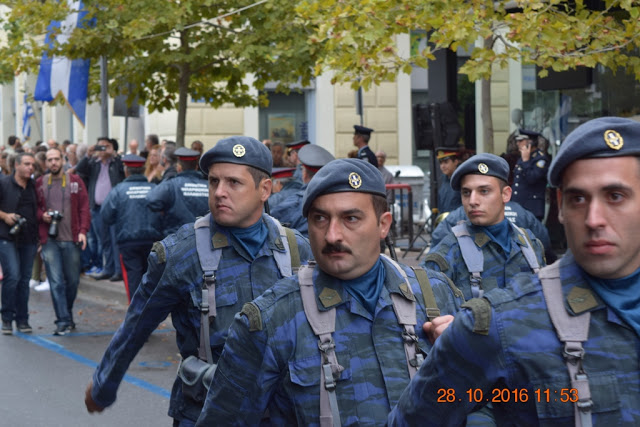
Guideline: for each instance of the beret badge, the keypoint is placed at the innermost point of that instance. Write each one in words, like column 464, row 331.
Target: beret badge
column 238, row 150
column 613, row 139
column 354, row 180
column 483, row 168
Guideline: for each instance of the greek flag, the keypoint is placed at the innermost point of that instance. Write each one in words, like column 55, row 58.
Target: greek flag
column 60, row 75
column 26, row 122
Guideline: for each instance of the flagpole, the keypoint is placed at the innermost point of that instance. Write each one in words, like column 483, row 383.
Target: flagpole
column 104, row 97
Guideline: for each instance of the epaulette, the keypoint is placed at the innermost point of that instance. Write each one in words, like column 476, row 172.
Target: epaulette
column 439, row 260
column 481, row 309
column 252, row 312
column 158, row 248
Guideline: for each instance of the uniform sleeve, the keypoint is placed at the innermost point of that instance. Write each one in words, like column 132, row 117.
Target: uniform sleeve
column 438, row 258
column 150, row 305
column 304, row 249
column 460, row 360
column 109, row 208
column 160, row 198
column 538, row 248
column 444, row 228
column 246, row 378
column 84, row 213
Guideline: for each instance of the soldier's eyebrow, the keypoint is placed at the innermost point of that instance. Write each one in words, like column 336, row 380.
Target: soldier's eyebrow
column 614, row 186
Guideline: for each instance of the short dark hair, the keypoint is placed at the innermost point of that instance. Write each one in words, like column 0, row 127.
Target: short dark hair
column 21, row 155
column 138, row 170
column 187, row 165
column 153, row 138
column 380, row 205
column 257, row 175
column 12, row 140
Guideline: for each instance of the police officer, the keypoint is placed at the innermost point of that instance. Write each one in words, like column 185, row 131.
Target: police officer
column 483, row 252
column 449, row 159
column 183, row 198
column 530, row 174
column 513, row 212
column 289, row 211
column 284, row 185
column 137, row 227
column 292, row 157
column 516, row 339
column 251, row 249
column 274, row 359
column 361, row 137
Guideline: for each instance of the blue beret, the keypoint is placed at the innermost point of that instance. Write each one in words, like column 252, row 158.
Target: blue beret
column 344, row 175
column 481, row 164
column 314, row 156
column 603, row 137
column 241, row 150
column 361, row 130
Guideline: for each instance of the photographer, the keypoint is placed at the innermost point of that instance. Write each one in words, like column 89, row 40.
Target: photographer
column 63, row 212
column 18, row 242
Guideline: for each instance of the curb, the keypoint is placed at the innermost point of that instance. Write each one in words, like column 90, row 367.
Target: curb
column 104, row 290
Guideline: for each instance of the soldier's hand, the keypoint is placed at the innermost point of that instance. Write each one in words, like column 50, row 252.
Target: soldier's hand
column 88, row 400
column 436, row 328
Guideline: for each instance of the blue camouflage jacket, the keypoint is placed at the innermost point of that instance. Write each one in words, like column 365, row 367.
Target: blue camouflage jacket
column 288, row 189
column 447, row 257
column 277, row 364
column 519, row 357
column 182, row 199
column 289, row 212
column 172, row 285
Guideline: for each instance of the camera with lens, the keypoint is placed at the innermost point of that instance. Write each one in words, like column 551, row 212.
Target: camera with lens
column 17, row 227
column 53, row 227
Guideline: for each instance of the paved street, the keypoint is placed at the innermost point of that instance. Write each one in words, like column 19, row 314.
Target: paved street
column 43, row 376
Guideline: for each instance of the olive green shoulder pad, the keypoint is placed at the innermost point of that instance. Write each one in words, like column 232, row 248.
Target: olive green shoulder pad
column 481, row 309
column 252, row 312
column 158, row 248
column 439, row 260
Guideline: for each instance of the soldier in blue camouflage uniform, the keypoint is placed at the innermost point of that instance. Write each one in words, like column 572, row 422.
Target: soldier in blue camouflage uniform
column 182, row 198
column 509, row 340
column 239, row 184
column 272, row 359
column 513, row 212
column 289, row 210
column 137, row 227
column 482, row 180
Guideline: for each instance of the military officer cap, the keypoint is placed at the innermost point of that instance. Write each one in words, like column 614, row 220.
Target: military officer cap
column 444, row 152
column 186, row 154
column 481, row 164
column 133, row 161
column 314, row 157
column 527, row 134
column 361, row 130
column 296, row 145
column 240, row 150
column 344, row 175
column 279, row 173
column 603, row 137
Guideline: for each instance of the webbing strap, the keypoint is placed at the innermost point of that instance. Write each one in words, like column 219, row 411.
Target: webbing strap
column 572, row 331
column 283, row 259
column 527, row 250
column 209, row 261
column 323, row 324
column 430, row 303
column 473, row 258
column 293, row 250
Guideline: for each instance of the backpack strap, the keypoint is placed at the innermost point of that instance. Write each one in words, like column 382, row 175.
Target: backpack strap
column 572, row 331
column 209, row 260
column 527, row 249
column 405, row 308
column 473, row 258
column 290, row 257
column 430, row 303
column 323, row 324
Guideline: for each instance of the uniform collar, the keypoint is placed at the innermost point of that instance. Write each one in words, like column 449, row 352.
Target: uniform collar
column 136, row 178
column 221, row 238
column 481, row 238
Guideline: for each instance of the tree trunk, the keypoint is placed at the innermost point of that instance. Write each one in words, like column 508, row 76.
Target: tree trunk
column 485, row 112
column 183, row 91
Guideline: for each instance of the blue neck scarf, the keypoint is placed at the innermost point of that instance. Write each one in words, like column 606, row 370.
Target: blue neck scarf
column 501, row 234
column 366, row 288
column 251, row 238
column 621, row 295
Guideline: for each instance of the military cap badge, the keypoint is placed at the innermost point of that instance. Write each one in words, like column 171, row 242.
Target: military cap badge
column 613, row 139
column 238, row 150
column 354, row 180
column 483, row 168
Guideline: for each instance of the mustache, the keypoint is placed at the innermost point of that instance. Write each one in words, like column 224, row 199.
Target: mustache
column 331, row 248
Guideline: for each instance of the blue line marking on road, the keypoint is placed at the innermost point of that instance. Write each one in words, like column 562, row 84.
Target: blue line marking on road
column 57, row 348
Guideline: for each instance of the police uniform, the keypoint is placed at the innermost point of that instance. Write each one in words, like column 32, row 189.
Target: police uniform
column 511, row 344
column 530, row 179
column 365, row 153
column 183, row 198
column 137, row 227
column 448, row 198
column 288, row 189
column 447, row 256
column 289, row 209
column 172, row 285
column 271, row 358
column 296, row 146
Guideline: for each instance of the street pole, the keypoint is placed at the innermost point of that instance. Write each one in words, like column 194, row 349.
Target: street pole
column 104, row 97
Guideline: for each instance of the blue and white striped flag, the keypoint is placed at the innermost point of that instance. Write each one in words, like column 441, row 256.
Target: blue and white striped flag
column 26, row 119
column 60, row 74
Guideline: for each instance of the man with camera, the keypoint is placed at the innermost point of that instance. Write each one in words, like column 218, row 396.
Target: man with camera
column 63, row 212
column 18, row 242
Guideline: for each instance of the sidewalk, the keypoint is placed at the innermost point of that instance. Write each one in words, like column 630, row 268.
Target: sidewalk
column 112, row 292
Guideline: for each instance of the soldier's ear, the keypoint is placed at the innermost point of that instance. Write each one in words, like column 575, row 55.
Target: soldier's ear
column 559, row 199
column 506, row 194
column 385, row 224
column 265, row 189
